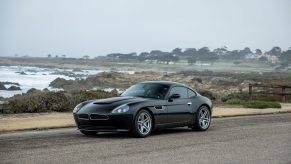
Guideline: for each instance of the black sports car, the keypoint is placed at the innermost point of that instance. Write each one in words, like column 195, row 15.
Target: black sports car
column 145, row 107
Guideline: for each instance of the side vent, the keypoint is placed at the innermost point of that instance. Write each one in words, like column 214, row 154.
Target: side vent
column 159, row 107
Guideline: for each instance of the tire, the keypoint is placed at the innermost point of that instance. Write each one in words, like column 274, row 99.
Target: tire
column 88, row 133
column 203, row 119
column 143, row 124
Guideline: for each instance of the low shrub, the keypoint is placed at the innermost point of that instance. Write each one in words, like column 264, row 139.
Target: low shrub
column 57, row 101
column 268, row 98
column 225, row 98
column 235, row 101
column 261, row 104
column 208, row 94
column 45, row 101
column 27, row 103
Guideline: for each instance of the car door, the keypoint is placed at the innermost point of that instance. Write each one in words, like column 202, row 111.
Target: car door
column 179, row 110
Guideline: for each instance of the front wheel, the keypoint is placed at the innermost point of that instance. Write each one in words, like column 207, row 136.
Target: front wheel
column 143, row 123
column 203, row 119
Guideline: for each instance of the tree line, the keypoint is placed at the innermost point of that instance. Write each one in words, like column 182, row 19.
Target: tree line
column 204, row 54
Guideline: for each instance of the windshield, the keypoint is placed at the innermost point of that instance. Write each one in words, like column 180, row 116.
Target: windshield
column 147, row 90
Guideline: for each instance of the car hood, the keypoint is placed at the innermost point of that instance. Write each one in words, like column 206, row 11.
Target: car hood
column 113, row 100
column 104, row 106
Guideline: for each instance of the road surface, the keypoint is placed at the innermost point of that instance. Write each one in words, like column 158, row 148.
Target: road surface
column 248, row 139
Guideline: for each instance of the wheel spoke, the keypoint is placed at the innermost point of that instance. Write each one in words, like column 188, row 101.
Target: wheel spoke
column 204, row 114
column 142, row 117
column 142, row 129
column 201, row 115
column 202, row 124
column 205, row 123
column 147, row 119
column 201, row 119
column 145, row 127
column 139, row 126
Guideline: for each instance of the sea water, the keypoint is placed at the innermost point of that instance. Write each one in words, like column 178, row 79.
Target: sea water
column 38, row 78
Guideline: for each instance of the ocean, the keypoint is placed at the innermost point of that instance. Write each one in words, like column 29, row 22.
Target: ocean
column 39, row 78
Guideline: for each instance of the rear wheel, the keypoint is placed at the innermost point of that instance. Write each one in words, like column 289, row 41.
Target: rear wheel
column 88, row 133
column 143, row 123
column 203, row 119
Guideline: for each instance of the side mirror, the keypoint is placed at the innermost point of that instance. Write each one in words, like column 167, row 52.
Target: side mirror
column 174, row 96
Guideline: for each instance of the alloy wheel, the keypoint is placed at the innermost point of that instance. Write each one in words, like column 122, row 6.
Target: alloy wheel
column 144, row 123
column 204, row 118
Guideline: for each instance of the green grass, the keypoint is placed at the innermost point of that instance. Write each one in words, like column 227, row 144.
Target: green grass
column 235, row 101
column 258, row 104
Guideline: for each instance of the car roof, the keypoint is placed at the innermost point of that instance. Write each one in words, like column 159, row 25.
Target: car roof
column 170, row 83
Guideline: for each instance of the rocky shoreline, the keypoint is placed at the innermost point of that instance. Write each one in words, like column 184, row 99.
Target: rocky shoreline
column 11, row 86
column 219, row 84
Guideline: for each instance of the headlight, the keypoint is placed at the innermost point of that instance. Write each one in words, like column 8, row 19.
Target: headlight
column 77, row 108
column 121, row 109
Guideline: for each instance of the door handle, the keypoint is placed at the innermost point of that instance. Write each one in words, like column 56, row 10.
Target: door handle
column 189, row 103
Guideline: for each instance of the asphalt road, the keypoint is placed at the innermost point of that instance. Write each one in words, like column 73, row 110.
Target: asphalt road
column 249, row 139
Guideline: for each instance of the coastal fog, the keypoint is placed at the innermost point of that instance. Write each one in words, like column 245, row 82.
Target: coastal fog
column 219, row 48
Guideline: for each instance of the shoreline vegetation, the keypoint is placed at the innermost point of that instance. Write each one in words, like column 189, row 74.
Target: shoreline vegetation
column 35, row 101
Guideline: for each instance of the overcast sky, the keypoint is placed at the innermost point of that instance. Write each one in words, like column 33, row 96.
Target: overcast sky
column 98, row 27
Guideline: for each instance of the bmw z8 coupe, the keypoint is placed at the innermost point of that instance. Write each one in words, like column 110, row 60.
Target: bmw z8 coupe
column 145, row 107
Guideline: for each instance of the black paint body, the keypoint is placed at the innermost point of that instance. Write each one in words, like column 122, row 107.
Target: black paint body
column 166, row 113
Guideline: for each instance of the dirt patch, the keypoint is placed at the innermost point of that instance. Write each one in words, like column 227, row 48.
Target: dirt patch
column 12, row 122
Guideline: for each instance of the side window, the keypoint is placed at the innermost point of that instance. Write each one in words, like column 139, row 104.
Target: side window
column 182, row 91
column 191, row 93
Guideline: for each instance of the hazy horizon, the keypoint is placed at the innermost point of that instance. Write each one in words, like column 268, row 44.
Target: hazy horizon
column 77, row 28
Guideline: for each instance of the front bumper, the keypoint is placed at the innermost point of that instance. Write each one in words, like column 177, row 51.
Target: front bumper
column 104, row 123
